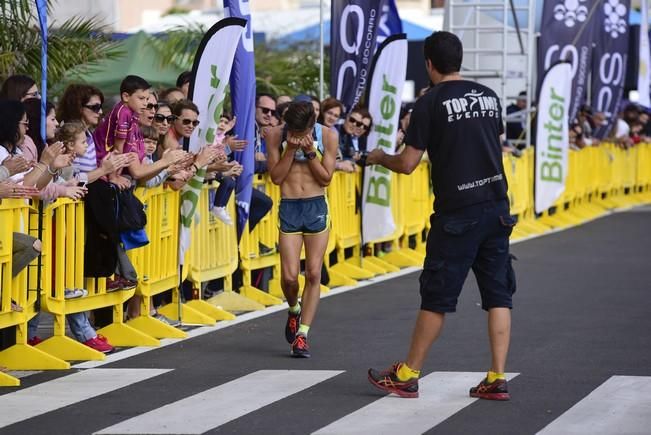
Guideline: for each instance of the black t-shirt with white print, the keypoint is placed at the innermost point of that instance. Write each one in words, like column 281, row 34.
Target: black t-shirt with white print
column 459, row 123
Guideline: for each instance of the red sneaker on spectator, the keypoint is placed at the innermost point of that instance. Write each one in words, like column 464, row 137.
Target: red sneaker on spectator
column 113, row 285
column 99, row 345
column 127, row 284
column 34, row 341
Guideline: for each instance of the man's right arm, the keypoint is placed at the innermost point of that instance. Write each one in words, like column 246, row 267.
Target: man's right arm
column 403, row 163
column 417, row 139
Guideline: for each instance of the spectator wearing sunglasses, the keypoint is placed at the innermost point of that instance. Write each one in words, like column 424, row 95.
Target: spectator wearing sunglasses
column 265, row 112
column 83, row 103
column 186, row 120
column 147, row 117
column 163, row 118
column 353, row 133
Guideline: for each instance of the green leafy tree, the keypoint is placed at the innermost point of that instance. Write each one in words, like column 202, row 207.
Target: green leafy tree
column 75, row 45
column 281, row 70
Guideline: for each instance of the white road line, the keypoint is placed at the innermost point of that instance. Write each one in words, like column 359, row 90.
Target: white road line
column 219, row 405
column 621, row 405
column 68, row 390
column 442, row 394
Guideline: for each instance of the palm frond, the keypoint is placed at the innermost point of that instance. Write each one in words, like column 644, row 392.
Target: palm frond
column 178, row 46
column 76, row 44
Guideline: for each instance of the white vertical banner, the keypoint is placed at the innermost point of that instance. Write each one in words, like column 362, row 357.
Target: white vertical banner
column 644, row 74
column 552, row 136
column 384, row 95
column 210, row 74
column 211, row 71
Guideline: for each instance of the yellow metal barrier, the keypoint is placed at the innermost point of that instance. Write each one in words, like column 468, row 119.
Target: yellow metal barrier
column 213, row 255
column 14, row 215
column 252, row 244
column 157, row 263
column 346, row 226
column 408, row 204
column 63, row 259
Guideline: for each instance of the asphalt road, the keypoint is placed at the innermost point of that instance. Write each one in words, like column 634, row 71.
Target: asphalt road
column 581, row 316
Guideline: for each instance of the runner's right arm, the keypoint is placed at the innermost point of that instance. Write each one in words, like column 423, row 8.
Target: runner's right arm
column 279, row 165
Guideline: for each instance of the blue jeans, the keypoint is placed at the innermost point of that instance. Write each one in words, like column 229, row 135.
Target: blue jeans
column 224, row 191
column 80, row 326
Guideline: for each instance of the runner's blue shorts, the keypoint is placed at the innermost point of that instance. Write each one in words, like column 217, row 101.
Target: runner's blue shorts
column 304, row 215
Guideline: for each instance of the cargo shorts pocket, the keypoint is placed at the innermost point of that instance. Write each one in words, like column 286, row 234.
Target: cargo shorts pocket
column 432, row 275
column 508, row 222
column 459, row 227
column 510, row 274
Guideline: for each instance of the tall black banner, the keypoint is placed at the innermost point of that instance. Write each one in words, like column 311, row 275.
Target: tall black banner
column 609, row 60
column 566, row 35
column 353, row 31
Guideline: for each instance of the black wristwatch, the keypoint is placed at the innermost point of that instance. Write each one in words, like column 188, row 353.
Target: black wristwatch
column 311, row 155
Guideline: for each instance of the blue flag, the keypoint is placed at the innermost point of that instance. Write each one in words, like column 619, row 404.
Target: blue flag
column 41, row 7
column 242, row 82
column 390, row 23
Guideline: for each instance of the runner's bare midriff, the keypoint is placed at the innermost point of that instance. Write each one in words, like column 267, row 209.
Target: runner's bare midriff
column 300, row 183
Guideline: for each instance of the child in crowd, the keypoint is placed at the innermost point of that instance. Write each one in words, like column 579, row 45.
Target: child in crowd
column 120, row 132
column 227, row 178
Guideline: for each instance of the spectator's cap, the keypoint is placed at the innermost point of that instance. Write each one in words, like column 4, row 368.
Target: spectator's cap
column 522, row 95
column 585, row 108
column 302, row 98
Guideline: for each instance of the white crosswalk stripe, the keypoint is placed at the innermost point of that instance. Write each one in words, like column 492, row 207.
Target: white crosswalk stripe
column 219, row 405
column 67, row 390
column 442, row 394
column 621, row 405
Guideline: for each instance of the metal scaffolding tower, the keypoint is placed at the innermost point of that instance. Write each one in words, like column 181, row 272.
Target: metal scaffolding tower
column 498, row 50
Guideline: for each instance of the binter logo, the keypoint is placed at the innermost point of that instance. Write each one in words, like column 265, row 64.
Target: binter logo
column 614, row 18
column 571, row 12
column 472, row 105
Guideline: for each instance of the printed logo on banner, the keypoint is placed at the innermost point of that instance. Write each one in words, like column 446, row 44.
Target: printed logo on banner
column 571, row 11
column 353, row 36
column 615, row 18
column 610, row 57
column 568, row 28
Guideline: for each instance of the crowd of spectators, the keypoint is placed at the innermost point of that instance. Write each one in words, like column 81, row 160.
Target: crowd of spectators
column 632, row 126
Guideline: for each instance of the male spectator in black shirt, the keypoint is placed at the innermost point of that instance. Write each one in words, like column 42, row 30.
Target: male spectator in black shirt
column 265, row 109
column 458, row 123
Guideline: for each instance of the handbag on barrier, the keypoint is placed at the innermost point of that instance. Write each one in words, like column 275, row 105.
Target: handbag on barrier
column 131, row 211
